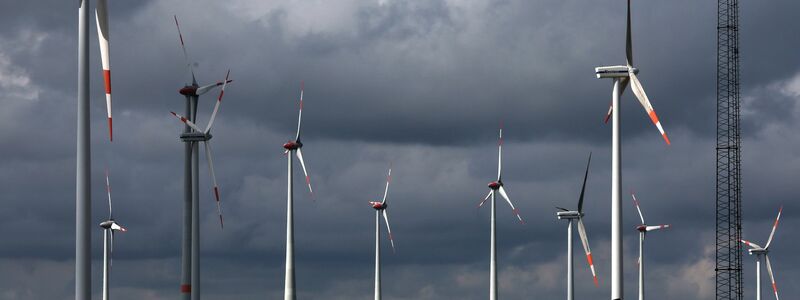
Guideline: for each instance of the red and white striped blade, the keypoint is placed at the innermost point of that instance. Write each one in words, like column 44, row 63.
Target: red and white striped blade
column 214, row 180
column 636, row 202
column 622, row 85
column 389, row 229
column 300, row 114
column 751, row 244
column 610, row 110
column 108, row 191
column 657, row 227
column 117, row 227
column 186, row 121
column 772, row 277
column 500, row 154
column 485, row 198
column 219, row 100
column 774, row 227
column 586, row 249
column 185, row 56
column 388, row 180
column 638, row 90
column 101, row 13
column 502, row 191
column 303, row 164
column 208, row 87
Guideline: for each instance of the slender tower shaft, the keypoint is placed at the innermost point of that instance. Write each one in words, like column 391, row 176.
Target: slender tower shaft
column 186, row 246
column 289, row 292
column 83, row 199
column 106, row 254
column 616, row 199
column 195, row 211
column 377, row 255
column 641, row 265
column 570, row 268
column 493, row 257
column 758, row 277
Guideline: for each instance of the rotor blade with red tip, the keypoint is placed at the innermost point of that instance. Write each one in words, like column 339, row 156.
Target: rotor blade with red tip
column 610, row 110
column 219, row 100
column 389, row 229
column 751, row 244
column 186, row 121
column 485, row 199
column 772, row 277
column 388, row 180
column 303, row 164
column 636, row 202
column 774, row 227
column 208, row 87
column 502, row 191
column 185, row 56
column 586, row 249
column 214, row 180
column 638, row 90
column 108, row 190
column 300, row 114
column 103, row 35
column 657, row 227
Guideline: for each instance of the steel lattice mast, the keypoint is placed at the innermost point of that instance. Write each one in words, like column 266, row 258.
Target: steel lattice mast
column 729, row 181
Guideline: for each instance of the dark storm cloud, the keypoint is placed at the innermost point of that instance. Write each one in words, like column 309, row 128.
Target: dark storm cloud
column 423, row 84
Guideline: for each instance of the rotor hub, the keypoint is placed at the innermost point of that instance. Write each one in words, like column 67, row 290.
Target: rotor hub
column 495, row 184
column 377, row 205
column 293, row 145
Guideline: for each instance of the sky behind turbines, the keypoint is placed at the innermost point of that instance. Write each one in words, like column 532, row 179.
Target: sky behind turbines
column 424, row 84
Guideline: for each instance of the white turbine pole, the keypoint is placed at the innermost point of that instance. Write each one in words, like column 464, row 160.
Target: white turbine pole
column 288, row 288
column 195, row 219
column 570, row 271
column 616, row 199
column 83, row 196
column 493, row 256
column 758, row 277
column 105, row 263
column 377, row 255
column 641, row 265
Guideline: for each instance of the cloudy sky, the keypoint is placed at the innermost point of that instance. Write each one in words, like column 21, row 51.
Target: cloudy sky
column 421, row 83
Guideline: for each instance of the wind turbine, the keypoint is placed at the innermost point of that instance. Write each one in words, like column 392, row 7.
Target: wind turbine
column 190, row 271
column 494, row 188
column 570, row 215
column 622, row 75
column 643, row 230
column 380, row 209
column 109, row 226
column 760, row 252
column 293, row 147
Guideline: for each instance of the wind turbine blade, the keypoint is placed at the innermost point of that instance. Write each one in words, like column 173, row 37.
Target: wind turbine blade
column 111, row 248
column 751, row 244
column 186, row 121
column 502, row 191
column 206, row 88
column 774, row 227
column 623, row 83
column 101, row 13
column 185, row 56
column 586, row 249
column 219, row 100
column 657, row 227
column 389, row 229
column 303, row 164
column 583, row 188
column 610, row 110
column 636, row 202
column 388, row 180
column 117, row 227
column 772, row 277
column 628, row 40
column 562, row 209
column 108, row 191
column 300, row 114
column 214, row 180
column 638, row 90
column 500, row 155
column 485, row 199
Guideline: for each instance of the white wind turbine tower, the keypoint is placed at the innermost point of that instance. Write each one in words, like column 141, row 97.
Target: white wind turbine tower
column 622, row 75
column 496, row 187
column 760, row 252
column 109, row 226
column 380, row 209
column 570, row 215
column 643, row 230
column 293, row 147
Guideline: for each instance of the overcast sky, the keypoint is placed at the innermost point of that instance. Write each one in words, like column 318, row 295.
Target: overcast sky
column 424, row 84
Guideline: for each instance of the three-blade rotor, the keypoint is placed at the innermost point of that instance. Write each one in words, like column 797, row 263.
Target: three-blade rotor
column 383, row 206
column 496, row 187
column 644, row 227
column 111, row 225
column 296, row 144
column 757, row 249
column 581, row 227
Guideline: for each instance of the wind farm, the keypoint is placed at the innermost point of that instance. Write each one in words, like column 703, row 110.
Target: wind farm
column 398, row 133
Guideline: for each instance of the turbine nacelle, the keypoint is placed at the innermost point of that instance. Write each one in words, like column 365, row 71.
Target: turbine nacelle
column 615, row 71
column 494, row 185
column 111, row 224
column 567, row 215
column 188, row 90
column 759, row 251
column 378, row 205
column 293, row 145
